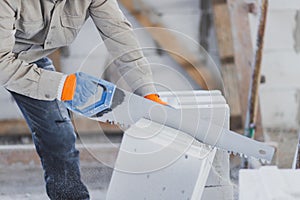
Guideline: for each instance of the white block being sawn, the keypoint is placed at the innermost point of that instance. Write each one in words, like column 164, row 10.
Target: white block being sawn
column 158, row 162
column 268, row 183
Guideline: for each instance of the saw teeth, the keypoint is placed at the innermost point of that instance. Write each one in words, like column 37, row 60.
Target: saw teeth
column 108, row 121
column 121, row 125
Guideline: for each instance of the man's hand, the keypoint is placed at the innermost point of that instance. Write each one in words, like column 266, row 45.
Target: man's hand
column 155, row 97
column 77, row 89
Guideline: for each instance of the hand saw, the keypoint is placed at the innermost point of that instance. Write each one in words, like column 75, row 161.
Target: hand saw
column 112, row 104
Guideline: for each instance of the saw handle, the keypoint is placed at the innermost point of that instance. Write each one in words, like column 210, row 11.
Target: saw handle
column 98, row 103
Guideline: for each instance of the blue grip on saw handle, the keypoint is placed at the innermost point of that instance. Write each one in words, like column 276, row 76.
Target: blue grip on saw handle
column 97, row 103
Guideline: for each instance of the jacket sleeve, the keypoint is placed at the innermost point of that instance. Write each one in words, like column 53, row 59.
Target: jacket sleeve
column 17, row 75
column 122, row 45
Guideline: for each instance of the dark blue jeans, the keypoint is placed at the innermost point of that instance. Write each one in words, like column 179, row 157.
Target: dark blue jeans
column 54, row 138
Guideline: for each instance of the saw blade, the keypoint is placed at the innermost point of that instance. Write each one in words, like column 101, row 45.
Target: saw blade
column 128, row 108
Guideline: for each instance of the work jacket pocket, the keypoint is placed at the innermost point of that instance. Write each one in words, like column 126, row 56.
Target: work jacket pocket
column 28, row 29
column 71, row 26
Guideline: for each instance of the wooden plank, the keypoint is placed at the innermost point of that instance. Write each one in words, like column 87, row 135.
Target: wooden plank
column 222, row 24
column 83, row 126
column 223, row 29
column 169, row 42
column 243, row 54
column 13, row 127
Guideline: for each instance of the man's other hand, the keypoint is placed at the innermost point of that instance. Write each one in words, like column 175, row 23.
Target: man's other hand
column 155, row 98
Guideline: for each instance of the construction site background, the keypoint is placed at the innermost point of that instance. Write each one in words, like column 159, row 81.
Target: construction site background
column 201, row 22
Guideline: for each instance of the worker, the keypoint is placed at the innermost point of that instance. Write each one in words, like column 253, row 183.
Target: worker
column 29, row 32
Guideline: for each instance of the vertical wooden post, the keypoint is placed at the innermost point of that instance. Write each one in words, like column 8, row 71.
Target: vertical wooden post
column 243, row 51
column 225, row 41
column 250, row 124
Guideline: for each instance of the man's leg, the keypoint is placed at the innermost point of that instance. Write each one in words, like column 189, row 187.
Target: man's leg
column 54, row 138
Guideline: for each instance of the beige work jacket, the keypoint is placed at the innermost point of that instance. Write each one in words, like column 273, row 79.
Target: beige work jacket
column 32, row 29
